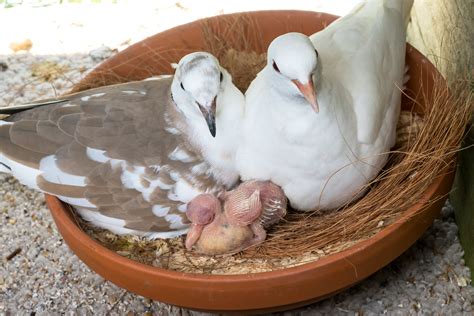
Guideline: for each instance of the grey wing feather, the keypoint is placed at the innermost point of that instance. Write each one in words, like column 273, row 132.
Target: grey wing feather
column 129, row 128
column 8, row 110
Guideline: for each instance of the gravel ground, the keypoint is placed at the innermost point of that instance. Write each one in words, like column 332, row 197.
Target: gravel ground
column 46, row 277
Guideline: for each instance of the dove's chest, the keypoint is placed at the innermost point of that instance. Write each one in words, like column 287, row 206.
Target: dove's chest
column 309, row 140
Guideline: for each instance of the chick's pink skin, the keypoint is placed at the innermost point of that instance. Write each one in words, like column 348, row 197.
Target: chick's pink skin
column 271, row 197
column 220, row 237
column 248, row 210
column 200, row 211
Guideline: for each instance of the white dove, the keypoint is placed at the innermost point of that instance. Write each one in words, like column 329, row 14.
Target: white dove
column 129, row 157
column 319, row 122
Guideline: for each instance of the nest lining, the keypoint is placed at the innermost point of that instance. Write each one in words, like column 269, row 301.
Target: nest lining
column 426, row 148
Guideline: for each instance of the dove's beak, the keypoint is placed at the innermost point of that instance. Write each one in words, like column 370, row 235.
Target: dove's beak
column 209, row 114
column 308, row 92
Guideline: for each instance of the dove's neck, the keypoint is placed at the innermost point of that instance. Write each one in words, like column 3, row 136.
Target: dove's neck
column 293, row 118
column 218, row 151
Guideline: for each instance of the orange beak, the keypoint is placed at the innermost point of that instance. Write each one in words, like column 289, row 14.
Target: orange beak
column 308, row 92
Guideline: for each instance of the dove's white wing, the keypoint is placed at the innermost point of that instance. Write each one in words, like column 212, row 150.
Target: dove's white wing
column 365, row 51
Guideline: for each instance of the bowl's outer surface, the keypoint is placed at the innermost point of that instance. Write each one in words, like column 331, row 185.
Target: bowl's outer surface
column 276, row 290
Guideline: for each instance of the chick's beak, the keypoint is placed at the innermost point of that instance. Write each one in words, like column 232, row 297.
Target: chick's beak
column 209, row 114
column 308, row 92
column 193, row 235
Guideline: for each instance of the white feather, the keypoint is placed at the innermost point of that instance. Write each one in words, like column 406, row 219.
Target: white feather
column 52, row 173
column 132, row 179
column 3, row 160
column 165, row 235
column 185, row 192
column 95, row 95
column 116, row 226
column 158, row 77
column 76, row 201
column 131, row 92
column 97, row 155
column 3, row 168
column 175, row 221
column 364, row 51
column 160, row 185
column 201, row 168
column 181, row 154
column 26, row 175
column 173, row 130
column 160, row 210
column 183, row 208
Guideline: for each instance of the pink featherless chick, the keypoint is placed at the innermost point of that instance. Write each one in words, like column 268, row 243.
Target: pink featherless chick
column 236, row 220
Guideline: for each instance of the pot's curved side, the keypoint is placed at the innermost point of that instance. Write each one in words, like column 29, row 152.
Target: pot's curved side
column 275, row 290
column 267, row 291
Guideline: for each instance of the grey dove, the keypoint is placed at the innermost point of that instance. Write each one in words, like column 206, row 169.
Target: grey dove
column 129, row 157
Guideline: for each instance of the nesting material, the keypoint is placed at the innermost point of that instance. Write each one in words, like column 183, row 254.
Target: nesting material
column 408, row 127
column 172, row 254
column 234, row 43
column 426, row 147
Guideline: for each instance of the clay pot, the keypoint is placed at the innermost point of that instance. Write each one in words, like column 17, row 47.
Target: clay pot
column 278, row 290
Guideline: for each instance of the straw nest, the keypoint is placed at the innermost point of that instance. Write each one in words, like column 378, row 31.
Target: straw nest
column 426, row 148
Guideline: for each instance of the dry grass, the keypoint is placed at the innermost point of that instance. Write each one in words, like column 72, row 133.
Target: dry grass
column 234, row 46
column 426, row 149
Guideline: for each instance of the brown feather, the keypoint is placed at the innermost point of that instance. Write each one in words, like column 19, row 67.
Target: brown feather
column 68, row 123
column 131, row 128
column 51, row 132
column 60, row 112
column 19, row 154
column 26, row 135
column 72, row 158
column 60, row 189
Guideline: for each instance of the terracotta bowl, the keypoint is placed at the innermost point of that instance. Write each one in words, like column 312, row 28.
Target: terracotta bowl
column 277, row 290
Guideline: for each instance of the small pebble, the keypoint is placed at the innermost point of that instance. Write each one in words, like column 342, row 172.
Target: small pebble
column 3, row 66
column 24, row 45
column 102, row 53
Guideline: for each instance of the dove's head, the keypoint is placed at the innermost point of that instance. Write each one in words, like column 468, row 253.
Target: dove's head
column 197, row 83
column 293, row 67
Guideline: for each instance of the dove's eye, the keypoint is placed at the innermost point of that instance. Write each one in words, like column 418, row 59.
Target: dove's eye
column 276, row 67
column 222, row 77
column 182, row 87
column 317, row 54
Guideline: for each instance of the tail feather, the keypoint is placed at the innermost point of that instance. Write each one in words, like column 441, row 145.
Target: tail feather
column 4, row 167
column 9, row 110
